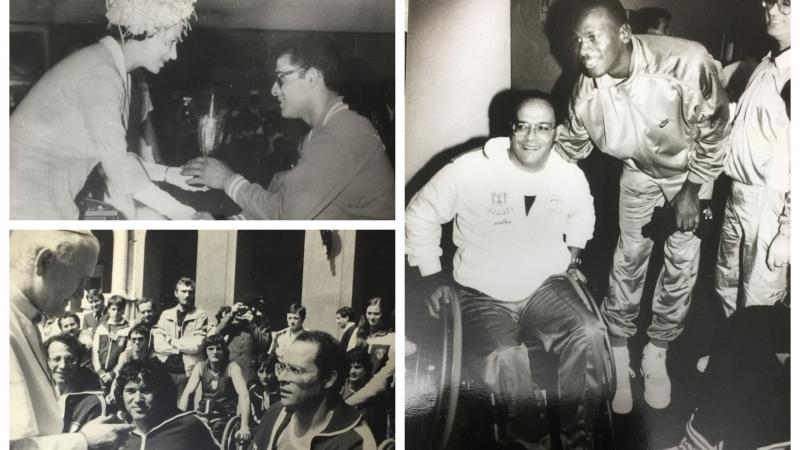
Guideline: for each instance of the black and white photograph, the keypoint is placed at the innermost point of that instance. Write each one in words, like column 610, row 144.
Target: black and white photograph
column 597, row 224
column 209, row 109
column 202, row 339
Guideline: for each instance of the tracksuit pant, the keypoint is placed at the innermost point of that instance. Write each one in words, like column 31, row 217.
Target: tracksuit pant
column 639, row 195
column 750, row 224
column 495, row 333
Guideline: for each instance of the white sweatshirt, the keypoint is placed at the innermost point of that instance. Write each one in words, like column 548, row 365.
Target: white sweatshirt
column 506, row 245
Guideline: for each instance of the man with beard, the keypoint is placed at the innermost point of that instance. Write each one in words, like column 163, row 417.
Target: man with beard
column 147, row 312
column 656, row 103
column 311, row 413
column 179, row 334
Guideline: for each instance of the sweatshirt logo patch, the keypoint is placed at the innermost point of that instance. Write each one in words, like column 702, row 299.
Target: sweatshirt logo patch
column 500, row 206
column 554, row 204
column 529, row 199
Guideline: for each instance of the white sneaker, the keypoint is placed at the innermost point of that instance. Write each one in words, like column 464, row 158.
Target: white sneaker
column 657, row 387
column 623, row 399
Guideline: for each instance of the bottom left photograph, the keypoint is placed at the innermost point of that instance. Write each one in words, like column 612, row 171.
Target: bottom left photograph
column 201, row 339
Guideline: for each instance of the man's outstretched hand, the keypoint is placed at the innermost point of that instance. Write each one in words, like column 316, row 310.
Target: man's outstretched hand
column 101, row 433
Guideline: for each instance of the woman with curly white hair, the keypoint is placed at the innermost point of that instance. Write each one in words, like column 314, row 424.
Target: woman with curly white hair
column 76, row 117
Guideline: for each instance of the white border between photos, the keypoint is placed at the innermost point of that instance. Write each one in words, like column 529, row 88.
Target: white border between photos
column 795, row 245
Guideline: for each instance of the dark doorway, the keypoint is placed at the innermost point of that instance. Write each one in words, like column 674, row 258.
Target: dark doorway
column 169, row 255
column 270, row 263
column 373, row 272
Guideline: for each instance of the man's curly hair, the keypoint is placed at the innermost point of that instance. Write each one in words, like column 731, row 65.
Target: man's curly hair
column 153, row 374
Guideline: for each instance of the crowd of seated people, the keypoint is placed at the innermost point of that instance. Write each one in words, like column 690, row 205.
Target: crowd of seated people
column 240, row 373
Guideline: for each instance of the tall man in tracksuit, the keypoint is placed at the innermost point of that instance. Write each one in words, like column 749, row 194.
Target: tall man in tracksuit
column 656, row 103
column 522, row 217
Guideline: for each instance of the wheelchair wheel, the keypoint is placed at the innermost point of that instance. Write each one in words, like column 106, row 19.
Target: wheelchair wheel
column 610, row 372
column 450, row 376
column 229, row 435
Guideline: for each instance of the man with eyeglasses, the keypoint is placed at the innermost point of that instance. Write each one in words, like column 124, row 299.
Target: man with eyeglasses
column 753, row 256
column 311, row 413
column 343, row 171
column 746, row 402
column 655, row 103
column 522, row 217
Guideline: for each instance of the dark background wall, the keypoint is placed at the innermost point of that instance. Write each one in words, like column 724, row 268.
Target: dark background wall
column 230, row 61
column 270, row 264
column 169, row 256
column 373, row 272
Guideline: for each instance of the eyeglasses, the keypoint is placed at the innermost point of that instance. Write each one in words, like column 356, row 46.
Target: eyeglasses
column 279, row 76
column 784, row 6
column 523, row 128
column 289, row 371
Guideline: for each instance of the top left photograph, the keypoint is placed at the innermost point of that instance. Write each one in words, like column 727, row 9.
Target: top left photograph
column 202, row 109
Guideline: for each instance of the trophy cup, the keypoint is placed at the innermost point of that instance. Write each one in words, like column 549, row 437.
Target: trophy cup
column 209, row 130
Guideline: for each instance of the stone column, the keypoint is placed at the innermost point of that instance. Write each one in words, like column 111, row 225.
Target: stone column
column 216, row 269
column 119, row 263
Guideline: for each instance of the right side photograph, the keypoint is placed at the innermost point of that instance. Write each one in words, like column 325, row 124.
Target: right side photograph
column 597, row 228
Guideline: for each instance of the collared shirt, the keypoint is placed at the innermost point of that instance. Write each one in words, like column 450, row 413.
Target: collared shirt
column 760, row 153
column 281, row 339
column 36, row 422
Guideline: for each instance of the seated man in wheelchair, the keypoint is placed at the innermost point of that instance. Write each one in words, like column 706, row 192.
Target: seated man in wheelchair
column 522, row 217
column 219, row 389
column 147, row 396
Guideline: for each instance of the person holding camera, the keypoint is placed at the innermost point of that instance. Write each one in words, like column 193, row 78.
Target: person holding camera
column 247, row 331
